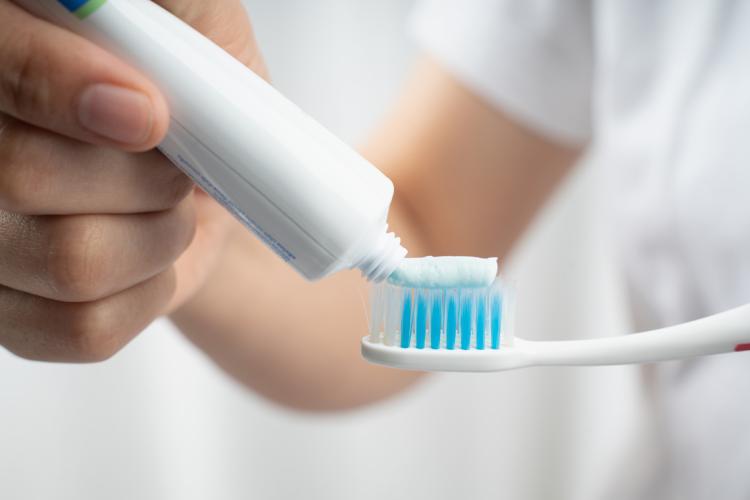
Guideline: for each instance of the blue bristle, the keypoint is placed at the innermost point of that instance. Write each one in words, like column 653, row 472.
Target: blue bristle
column 466, row 300
column 406, row 320
column 436, row 319
column 421, row 319
column 428, row 318
column 451, row 322
column 495, row 316
column 481, row 306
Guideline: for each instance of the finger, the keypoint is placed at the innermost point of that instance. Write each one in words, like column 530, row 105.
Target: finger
column 87, row 257
column 213, row 226
column 56, row 80
column 43, row 173
column 42, row 329
column 226, row 23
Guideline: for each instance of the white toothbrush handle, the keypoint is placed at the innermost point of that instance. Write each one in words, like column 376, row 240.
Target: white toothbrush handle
column 724, row 332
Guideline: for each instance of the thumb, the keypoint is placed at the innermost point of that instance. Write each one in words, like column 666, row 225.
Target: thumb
column 54, row 79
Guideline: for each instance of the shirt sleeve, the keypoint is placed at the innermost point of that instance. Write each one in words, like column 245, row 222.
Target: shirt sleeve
column 531, row 58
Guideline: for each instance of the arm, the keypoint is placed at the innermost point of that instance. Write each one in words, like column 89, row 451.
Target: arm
column 468, row 180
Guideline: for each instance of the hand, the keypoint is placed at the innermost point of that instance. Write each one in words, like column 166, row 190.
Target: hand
column 99, row 233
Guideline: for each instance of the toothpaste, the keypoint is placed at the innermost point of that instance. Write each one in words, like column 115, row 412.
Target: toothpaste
column 445, row 272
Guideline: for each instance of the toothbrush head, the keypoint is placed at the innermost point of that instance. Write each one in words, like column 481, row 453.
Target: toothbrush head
column 452, row 329
column 466, row 326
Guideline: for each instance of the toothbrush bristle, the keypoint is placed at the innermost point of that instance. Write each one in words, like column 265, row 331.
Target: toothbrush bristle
column 429, row 318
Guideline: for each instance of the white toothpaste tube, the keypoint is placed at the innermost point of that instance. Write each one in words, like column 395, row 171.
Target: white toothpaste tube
column 306, row 194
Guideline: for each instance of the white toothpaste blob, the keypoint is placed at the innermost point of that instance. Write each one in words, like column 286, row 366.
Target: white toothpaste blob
column 445, row 272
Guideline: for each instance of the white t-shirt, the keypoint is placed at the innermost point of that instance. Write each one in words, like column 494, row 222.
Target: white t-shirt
column 660, row 90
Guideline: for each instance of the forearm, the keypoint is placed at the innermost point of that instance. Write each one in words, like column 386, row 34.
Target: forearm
column 470, row 176
column 293, row 341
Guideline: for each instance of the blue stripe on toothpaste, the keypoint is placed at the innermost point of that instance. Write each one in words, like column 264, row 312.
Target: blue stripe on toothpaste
column 72, row 5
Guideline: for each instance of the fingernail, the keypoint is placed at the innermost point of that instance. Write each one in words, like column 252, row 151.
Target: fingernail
column 117, row 113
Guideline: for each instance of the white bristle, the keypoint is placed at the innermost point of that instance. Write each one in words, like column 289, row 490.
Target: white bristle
column 376, row 313
column 432, row 318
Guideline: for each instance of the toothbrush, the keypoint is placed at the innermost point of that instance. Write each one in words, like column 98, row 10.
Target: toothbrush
column 470, row 330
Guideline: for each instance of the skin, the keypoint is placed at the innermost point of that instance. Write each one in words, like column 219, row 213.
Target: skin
column 100, row 235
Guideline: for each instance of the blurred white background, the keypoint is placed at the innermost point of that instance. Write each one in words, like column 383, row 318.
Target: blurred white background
column 159, row 422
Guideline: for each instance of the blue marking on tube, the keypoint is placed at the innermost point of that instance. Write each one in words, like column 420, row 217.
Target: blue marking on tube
column 72, row 5
column 481, row 307
column 466, row 322
column 435, row 322
column 451, row 323
column 495, row 316
column 406, row 320
column 421, row 319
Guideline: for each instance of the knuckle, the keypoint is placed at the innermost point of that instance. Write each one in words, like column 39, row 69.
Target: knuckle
column 166, row 185
column 178, row 187
column 182, row 226
column 92, row 334
column 189, row 224
column 18, row 184
column 77, row 262
column 24, row 87
column 179, row 225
